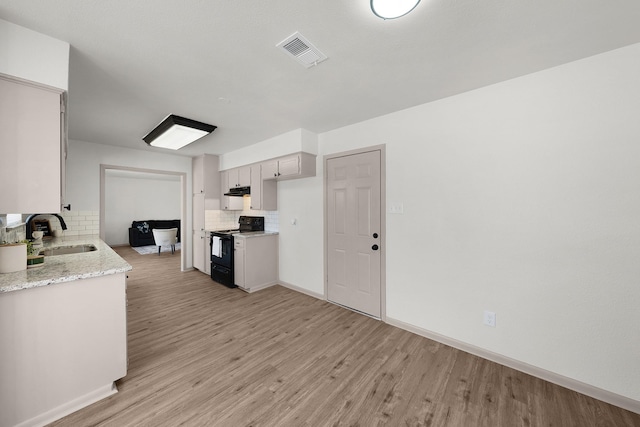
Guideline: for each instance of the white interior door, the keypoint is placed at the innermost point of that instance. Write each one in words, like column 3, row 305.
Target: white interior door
column 353, row 232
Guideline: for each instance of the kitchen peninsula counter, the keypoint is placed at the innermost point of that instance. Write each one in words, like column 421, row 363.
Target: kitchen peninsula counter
column 249, row 234
column 67, row 268
column 63, row 333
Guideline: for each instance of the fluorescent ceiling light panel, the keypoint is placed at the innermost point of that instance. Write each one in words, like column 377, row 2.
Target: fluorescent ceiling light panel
column 174, row 132
column 390, row 9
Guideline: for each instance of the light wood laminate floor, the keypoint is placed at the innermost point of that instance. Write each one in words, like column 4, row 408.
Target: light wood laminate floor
column 205, row 355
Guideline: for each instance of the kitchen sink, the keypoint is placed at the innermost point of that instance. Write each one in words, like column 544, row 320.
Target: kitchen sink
column 65, row 250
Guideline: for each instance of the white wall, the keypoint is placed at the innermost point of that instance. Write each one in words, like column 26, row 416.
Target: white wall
column 301, row 245
column 33, row 56
column 83, row 176
column 138, row 197
column 522, row 198
column 281, row 145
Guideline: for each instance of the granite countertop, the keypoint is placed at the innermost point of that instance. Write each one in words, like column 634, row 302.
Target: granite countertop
column 249, row 234
column 66, row 268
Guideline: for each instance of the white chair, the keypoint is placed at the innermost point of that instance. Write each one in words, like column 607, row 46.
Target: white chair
column 163, row 237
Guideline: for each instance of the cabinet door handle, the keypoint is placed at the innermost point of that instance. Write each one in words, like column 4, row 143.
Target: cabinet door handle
column 374, row 247
column 375, row 235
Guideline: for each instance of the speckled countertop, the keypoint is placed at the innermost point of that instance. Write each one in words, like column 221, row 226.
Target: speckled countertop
column 66, row 268
column 249, row 234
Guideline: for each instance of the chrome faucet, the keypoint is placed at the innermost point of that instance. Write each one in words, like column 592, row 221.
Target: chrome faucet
column 28, row 230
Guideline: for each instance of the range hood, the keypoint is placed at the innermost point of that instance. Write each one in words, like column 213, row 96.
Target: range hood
column 239, row 191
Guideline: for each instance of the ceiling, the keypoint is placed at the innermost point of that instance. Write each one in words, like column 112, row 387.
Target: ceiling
column 134, row 62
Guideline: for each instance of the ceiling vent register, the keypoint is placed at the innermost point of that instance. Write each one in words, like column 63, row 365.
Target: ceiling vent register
column 302, row 50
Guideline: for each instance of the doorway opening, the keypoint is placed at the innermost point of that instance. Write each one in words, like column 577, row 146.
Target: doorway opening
column 173, row 178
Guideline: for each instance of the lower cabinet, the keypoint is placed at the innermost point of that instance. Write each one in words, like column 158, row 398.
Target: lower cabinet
column 255, row 261
column 207, row 258
column 62, row 347
column 198, row 232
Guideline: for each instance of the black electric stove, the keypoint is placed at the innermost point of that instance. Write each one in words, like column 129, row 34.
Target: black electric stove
column 222, row 248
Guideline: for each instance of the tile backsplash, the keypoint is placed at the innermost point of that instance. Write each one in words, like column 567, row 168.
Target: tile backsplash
column 80, row 223
column 221, row 220
column 12, row 234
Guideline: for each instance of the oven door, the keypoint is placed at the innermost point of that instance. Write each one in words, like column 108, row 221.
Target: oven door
column 222, row 265
column 222, row 275
column 222, row 256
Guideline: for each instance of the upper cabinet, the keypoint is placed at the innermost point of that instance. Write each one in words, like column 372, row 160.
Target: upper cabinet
column 263, row 193
column 298, row 165
column 206, row 179
column 262, row 178
column 256, row 187
column 239, row 177
column 228, row 203
column 32, row 146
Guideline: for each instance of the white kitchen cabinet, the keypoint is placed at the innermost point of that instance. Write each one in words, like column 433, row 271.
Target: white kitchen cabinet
column 207, row 251
column 295, row 166
column 239, row 177
column 263, row 193
column 32, row 146
column 255, row 261
column 206, row 196
column 62, row 347
column 206, row 179
column 239, row 256
column 228, row 203
column 289, row 166
column 270, row 169
column 198, row 235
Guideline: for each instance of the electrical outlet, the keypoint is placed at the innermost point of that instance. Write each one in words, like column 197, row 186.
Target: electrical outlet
column 396, row 208
column 490, row 318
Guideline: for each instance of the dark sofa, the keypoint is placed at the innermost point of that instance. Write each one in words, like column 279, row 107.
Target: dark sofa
column 140, row 233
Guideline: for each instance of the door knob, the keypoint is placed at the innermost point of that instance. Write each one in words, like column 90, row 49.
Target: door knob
column 374, row 247
column 375, row 235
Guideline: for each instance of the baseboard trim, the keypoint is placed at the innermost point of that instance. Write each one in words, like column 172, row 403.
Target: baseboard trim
column 258, row 288
column 70, row 407
column 302, row 290
column 578, row 386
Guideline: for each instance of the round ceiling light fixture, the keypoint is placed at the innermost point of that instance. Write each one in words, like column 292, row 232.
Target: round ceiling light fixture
column 391, row 9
